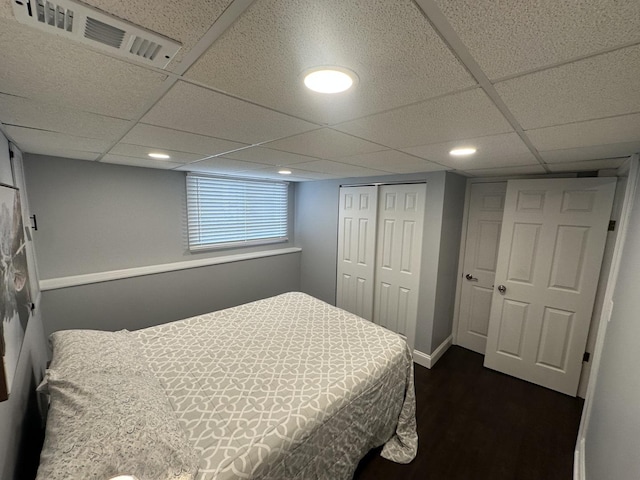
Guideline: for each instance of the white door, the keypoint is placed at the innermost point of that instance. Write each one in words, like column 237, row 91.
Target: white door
column 398, row 257
column 356, row 249
column 479, row 264
column 551, row 246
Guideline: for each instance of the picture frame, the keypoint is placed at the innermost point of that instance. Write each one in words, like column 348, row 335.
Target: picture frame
column 15, row 294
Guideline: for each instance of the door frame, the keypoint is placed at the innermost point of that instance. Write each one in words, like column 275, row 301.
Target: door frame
column 633, row 182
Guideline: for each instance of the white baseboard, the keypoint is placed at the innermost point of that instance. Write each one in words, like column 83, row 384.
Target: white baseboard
column 429, row 361
column 578, row 462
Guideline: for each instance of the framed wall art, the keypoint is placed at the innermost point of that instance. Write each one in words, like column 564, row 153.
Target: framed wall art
column 15, row 295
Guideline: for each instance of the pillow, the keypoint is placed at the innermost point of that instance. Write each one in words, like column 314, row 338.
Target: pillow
column 109, row 415
column 95, row 351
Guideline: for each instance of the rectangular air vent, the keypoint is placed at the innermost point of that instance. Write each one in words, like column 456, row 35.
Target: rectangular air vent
column 90, row 26
column 103, row 33
column 144, row 48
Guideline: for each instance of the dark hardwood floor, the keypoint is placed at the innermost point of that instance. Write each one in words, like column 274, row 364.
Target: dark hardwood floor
column 475, row 424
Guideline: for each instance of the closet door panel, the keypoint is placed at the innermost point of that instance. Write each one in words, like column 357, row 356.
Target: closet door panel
column 356, row 249
column 399, row 248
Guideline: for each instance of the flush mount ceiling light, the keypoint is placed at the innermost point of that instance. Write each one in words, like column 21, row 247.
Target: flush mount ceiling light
column 284, row 172
column 461, row 152
column 159, row 156
column 329, row 79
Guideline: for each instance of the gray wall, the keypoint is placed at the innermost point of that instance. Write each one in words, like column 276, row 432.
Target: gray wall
column 316, row 226
column 95, row 217
column 139, row 302
column 316, row 223
column 19, row 419
column 611, row 447
column 453, row 209
column 431, row 241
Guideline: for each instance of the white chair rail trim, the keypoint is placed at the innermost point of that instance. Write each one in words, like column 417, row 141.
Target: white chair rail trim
column 98, row 277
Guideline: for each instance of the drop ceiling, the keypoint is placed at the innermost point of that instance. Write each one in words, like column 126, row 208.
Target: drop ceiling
column 546, row 86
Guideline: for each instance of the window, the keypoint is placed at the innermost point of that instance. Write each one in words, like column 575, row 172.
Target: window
column 227, row 212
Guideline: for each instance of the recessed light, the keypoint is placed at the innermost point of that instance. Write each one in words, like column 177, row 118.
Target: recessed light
column 284, row 172
column 329, row 79
column 159, row 156
column 461, row 152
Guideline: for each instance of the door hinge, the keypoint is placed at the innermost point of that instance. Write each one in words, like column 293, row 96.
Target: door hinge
column 612, row 225
column 10, row 153
column 586, row 357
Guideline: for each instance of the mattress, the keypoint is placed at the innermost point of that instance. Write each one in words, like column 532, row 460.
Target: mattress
column 286, row 387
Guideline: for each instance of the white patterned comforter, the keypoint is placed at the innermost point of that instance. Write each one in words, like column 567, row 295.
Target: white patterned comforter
column 288, row 387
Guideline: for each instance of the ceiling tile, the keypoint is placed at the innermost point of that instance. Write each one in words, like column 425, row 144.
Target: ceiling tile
column 65, row 153
column 393, row 161
column 143, row 152
column 600, row 86
column 592, row 165
column 492, row 151
column 315, row 176
column 195, row 109
column 159, row 137
column 464, row 115
column 591, row 153
column 139, row 162
column 269, row 156
column 51, row 69
column 506, row 38
column 622, row 129
column 268, row 175
column 184, row 21
column 396, row 54
column 6, row 10
column 338, row 169
column 23, row 112
column 506, row 171
column 264, row 172
column 325, row 143
column 29, row 140
column 222, row 165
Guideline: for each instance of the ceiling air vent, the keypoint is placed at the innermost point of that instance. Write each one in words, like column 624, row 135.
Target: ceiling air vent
column 103, row 32
column 90, row 26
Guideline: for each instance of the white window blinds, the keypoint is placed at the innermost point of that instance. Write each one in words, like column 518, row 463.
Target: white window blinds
column 225, row 212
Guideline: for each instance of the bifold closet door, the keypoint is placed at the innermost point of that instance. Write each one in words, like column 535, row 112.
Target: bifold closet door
column 398, row 257
column 356, row 249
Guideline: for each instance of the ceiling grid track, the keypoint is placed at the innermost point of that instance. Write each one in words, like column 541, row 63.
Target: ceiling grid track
column 224, row 21
column 442, row 26
column 565, row 62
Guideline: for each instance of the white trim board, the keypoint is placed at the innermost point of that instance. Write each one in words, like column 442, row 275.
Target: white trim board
column 86, row 279
column 633, row 183
column 428, row 361
column 578, row 462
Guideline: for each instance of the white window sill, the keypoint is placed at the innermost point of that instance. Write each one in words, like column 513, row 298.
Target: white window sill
column 89, row 278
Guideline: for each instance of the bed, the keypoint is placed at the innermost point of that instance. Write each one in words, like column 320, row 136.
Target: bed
column 287, row 387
